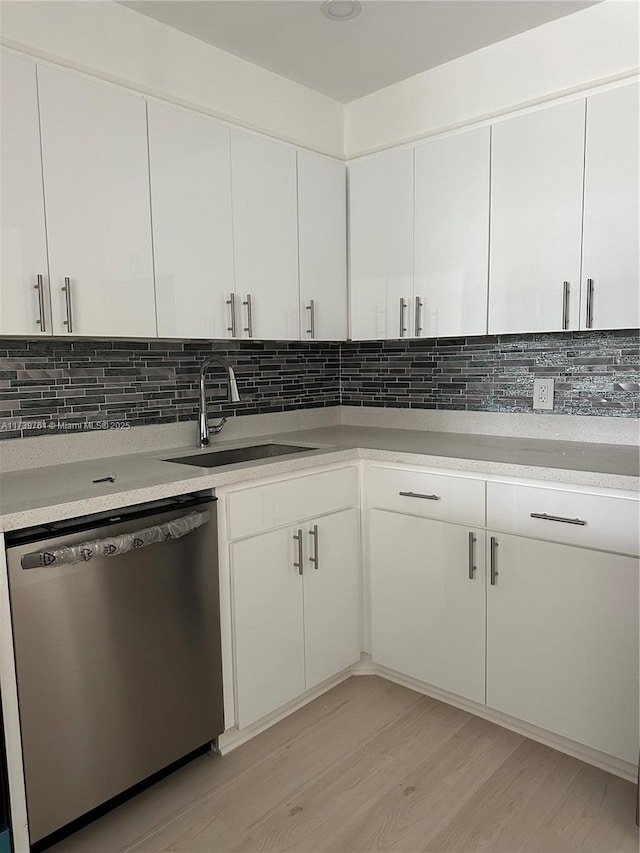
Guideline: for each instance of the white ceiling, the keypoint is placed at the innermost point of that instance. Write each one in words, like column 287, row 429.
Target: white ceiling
column 390, row 41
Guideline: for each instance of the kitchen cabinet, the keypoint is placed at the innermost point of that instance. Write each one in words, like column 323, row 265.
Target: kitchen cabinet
column 96, row 180
column 381, row 246
column 428, row 601
column 562, row 641
column 451, row 239
column 295, row 581
column 265, row 229
column 268, row 623
column 322, row 234
column 610, row 267
column 536, row 220
column 332, row 594
column 24, row 274
column 190, row 172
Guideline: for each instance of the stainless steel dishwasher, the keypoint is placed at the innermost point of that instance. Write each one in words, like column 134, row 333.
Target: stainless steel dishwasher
column 117, row 644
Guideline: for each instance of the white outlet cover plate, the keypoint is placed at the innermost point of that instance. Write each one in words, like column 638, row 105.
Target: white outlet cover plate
column 543, row 394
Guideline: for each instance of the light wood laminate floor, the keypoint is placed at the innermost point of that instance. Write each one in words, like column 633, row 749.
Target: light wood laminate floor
column 375, row 766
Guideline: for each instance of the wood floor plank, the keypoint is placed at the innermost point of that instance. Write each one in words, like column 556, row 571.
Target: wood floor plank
column 171, row 797
column 426, row 799
column 597, row 813
column 244, row 799
column 308, row 820
column 506, row 812
column 372, row 766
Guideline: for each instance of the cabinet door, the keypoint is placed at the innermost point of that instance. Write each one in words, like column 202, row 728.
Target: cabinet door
column 190, row 167
column 331, row 595
column 23, row 252
column 96, row 179
column 428, row 614
column 265, row 223
column 322, row 231
column 381, row 245
column 267, row 620
column 611, row 204
column 562, row 642
column 536, row 220
column 451, row 243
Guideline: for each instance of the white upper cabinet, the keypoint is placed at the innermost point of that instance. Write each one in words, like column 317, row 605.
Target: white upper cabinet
column 96, row 179
column 322, row 234
column 451, row 239
column 610, row 268
column 265, row 227
column 24, row 280
column 190, row 166
column 536, row 220
column 381, row 245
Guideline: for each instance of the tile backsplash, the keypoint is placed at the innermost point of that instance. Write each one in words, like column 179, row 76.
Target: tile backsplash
column 50, row 386
column 595, row 373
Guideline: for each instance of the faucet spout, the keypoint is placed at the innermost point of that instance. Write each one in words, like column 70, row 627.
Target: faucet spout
column 233, row 396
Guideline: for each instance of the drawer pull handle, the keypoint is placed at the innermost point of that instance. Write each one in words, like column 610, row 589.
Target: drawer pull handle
column 565, row 304
column 67, row 295
column 472, row 565
column 41, row 321
column 298, row 537
column 315, row 559
column 403, row 325
column 418, row 495
column 589, row 303
column 545, row 517
column 231, row 302
column 492, row 563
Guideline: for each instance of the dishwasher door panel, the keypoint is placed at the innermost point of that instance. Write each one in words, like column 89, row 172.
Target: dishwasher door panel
column 118, row 666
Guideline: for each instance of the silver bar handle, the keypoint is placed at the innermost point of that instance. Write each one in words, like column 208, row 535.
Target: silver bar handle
column 311, row 307
column 493, row 562
column 403, row 308
column 545, row 517
column 418, row 495
column 472, row 564
column 589, row 303
column 67, row 292
column 565, row 304
column 41, row 321
column 418, row 316
column 249, row 327
column 298, row 538
column 231, row 302
column 314, row 533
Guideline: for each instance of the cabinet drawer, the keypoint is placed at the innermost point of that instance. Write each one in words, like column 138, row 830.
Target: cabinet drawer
column 557, row 515
column 260, row 508
column 438, row 496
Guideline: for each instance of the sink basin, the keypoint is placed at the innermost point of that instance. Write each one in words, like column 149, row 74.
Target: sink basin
column 239, row 454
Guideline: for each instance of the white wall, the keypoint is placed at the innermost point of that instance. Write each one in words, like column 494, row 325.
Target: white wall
column 593, row 46
column 126, row 47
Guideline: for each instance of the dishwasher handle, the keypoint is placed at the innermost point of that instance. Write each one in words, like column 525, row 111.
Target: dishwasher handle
column 113, row 546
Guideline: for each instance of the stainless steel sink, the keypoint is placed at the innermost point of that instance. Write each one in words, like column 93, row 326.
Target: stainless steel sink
column 239, row 454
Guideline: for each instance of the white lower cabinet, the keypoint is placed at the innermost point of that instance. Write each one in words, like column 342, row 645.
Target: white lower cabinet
column 332, row 639
column 296, row 610
column 562, row 642
column 428, row 601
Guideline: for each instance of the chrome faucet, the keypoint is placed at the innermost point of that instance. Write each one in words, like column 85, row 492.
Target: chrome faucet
column 232, row 397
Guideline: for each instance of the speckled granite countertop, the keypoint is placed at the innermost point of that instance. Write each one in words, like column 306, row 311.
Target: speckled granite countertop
column 47, row 494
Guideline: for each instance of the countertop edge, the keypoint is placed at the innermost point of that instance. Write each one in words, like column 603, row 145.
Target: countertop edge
column 235, row 475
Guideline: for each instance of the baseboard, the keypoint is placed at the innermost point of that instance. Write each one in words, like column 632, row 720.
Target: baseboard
column 613, row 765
column 235, row 737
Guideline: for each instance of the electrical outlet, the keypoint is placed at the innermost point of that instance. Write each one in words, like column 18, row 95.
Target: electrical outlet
column 543, row 393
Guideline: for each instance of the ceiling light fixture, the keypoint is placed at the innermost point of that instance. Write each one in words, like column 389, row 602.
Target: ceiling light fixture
column 341, row 10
